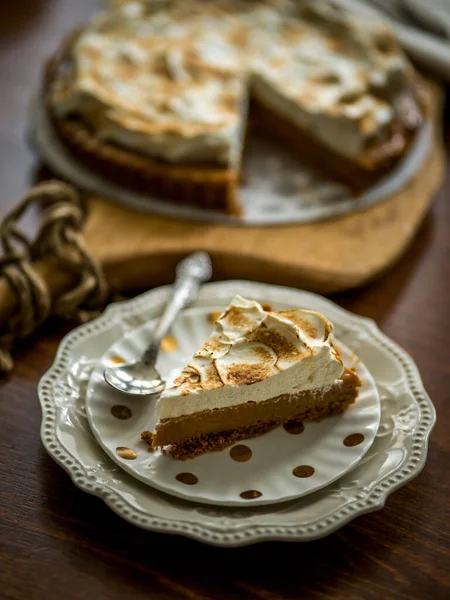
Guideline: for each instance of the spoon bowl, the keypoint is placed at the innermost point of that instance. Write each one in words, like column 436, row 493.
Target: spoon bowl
column 136, row 379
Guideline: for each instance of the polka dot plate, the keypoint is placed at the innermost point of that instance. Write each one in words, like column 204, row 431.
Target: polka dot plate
column 286, row 463
column 397, row 454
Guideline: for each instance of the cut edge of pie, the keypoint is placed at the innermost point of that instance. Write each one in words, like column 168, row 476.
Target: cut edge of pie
column 207, row 186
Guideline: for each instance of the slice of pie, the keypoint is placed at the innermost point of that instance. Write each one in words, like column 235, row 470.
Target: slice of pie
column 157, row 94
column 257, row 370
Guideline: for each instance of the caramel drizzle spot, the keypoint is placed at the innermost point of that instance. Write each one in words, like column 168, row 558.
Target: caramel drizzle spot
column 303, row 471
column 116, row 360
column 354, row 439
column 169, row 344
column 121, row 412
column 294, row 427
column 126, row 453
column 241, row 453
column 187, row 478
column 250, row 494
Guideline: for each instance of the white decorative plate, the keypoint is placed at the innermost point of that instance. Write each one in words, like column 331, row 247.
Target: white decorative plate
column 278, row 188
column 263, row 472
column 397, row 454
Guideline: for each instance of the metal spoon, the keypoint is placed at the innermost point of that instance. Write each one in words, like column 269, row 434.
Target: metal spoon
column 141, row 378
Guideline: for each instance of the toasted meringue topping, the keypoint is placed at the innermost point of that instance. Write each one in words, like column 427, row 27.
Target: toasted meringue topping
column 253, row 355
column 171, row 79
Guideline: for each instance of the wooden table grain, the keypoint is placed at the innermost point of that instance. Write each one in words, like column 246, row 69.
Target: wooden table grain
column 58, row 542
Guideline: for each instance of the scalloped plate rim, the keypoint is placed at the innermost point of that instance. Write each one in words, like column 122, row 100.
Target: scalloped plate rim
column 255, row 534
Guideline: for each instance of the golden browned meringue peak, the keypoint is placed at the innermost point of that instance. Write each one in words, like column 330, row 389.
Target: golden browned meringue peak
column 171, row 79
column 253, row 355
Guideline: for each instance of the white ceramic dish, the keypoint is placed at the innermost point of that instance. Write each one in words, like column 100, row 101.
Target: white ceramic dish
column 397, row 454
column 220, row 479
column 278, row 188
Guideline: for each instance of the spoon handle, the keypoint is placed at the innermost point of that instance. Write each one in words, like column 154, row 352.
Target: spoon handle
column 191, row 272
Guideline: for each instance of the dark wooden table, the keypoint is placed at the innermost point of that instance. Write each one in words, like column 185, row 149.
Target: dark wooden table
column 58, row 542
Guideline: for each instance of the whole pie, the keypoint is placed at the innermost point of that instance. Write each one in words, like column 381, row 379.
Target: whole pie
column 257, row 370
column 158, row 94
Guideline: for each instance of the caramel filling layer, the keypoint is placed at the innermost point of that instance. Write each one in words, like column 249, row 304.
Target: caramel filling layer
column 307, row 405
